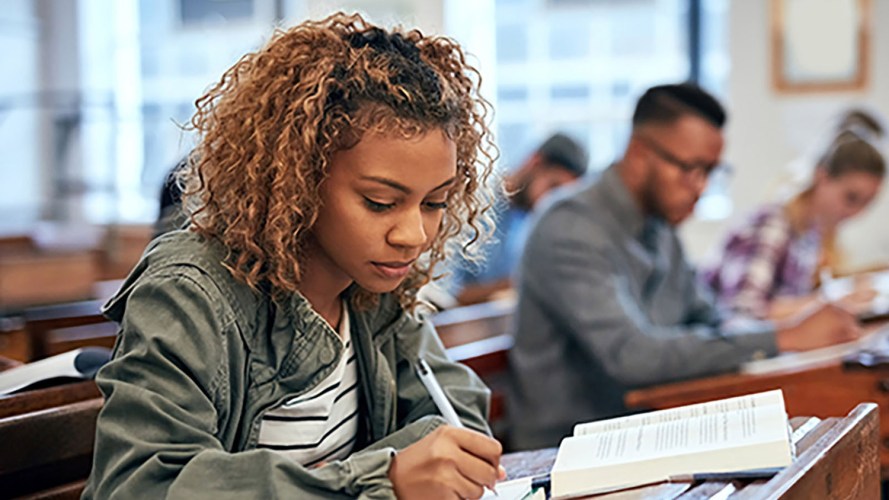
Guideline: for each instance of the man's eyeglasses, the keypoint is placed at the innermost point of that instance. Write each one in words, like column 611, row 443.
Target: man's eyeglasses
column 694, row 172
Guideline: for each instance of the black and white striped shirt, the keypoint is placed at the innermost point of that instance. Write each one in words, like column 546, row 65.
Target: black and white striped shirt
column 322, row 424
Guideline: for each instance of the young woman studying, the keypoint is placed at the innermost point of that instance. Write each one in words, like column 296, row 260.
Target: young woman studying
column 269, row 350
column 769, row 266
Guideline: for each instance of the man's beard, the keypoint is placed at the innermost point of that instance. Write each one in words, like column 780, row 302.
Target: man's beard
column 519, row 198
column 652, row 204
column 650, row 201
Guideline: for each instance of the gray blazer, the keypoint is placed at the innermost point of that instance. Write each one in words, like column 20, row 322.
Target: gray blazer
column 608, row 302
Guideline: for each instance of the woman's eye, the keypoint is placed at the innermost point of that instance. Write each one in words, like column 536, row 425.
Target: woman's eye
column 377, row 206
column 436, row 205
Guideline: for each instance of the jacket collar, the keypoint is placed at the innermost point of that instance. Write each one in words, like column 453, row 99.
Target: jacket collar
column 623, row 207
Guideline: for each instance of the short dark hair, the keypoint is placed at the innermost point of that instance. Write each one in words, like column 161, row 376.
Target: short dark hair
column 565, row 152
column 664, row 104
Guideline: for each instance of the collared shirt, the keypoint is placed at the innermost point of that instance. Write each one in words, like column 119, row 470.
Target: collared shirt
column 322, row 424
column 608, row 302
column 762, row 259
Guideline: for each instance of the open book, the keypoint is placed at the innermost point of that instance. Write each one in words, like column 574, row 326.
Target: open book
column 730, row 435
column 80, row 363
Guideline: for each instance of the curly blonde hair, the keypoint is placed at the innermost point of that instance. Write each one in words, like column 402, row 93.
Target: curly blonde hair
column 269, row 127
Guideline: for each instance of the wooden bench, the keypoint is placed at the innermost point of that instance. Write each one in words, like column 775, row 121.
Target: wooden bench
column 14, row 342
column 48, row 436
column 120, row 249
column 51, row 329
column 47, row 453
column 45, row 277
column 48, row 397
column 466, row 324
column 18, row 243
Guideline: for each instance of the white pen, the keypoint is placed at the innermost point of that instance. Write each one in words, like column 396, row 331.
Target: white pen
column 438, row 397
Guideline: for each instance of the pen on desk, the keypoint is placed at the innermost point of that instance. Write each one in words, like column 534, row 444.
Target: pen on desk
column 438, row 396
column 725, row 476
column 540, row 482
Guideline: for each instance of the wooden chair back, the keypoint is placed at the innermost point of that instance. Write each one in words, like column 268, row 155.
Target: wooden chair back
column 47, row 453
column 20, row 243
column 46, row 327
column 14, row 342
column 47, row 397
column 466, row 324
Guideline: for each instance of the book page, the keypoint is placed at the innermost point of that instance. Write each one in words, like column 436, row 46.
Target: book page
column 514, row 489
column 60, row 365
column 678, row 434
column 710, row 408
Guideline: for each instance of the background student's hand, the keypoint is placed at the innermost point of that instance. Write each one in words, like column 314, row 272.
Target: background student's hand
column 448, row 463
column 823, row 325
column 860, row 299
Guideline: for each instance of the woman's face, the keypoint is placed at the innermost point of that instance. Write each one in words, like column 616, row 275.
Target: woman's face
column 835, row 199
column 383, row 204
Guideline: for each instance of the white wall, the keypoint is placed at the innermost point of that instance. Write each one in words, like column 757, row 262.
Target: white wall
column 768, row 129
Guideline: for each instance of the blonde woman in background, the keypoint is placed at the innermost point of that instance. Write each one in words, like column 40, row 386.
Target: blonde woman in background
column 768, row 267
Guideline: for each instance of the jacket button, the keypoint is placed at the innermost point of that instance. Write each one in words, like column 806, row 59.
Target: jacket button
column 327, row 354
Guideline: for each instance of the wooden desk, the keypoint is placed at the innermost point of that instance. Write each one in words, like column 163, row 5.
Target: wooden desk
column 821, row 388
column 466, row 324
column 838, row 458
column 48, row 397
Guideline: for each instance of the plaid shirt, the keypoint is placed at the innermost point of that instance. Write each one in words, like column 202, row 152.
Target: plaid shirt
column 762, row 259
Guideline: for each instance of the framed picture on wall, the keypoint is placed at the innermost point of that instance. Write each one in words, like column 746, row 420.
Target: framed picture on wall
column 820, row 45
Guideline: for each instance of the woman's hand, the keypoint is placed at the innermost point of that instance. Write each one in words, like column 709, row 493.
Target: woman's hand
column 448, row 463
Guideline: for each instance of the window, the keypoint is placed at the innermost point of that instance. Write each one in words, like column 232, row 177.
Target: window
column 212, row 11
column 512, row 43
column 130, row 73
column 582, row 64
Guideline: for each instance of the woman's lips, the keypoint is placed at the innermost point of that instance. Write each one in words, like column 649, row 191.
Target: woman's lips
column 393, row 269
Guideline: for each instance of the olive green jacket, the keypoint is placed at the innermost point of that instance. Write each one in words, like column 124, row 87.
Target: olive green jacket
column 201, row 357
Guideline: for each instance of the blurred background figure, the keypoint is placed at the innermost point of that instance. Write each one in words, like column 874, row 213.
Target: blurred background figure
column 170, row 215
column 559, row 161
column 770, row 265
